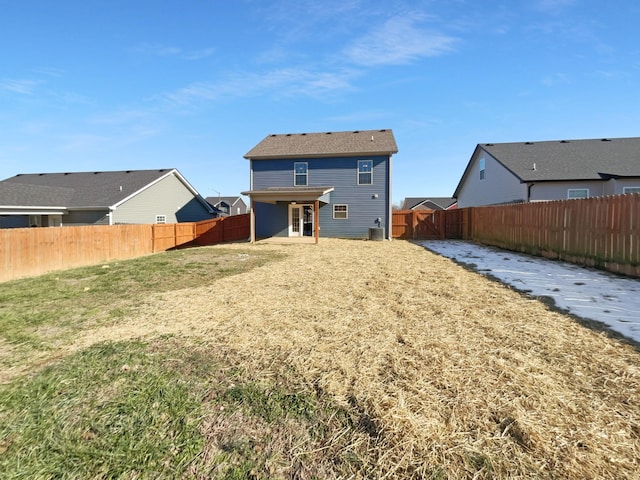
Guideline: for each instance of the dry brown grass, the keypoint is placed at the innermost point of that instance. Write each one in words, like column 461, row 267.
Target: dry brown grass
column 455, row 376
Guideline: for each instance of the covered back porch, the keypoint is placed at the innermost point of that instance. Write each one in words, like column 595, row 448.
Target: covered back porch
column 297, row 213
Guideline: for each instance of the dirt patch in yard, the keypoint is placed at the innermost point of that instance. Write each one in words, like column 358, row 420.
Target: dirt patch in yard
column 454, row 376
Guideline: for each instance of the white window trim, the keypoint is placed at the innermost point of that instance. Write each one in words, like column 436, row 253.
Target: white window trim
column 570, row 190
column 483, row 168
column 161, row 219
column 626, row 190
column 371, row 173
column 346, row 211
column 306, row 174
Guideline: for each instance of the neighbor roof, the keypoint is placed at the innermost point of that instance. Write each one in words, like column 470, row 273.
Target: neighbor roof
column 442, row 202
column 569, row 159
column 79, row 189
column 351, row 143
column 228, row 200
column 565, row 160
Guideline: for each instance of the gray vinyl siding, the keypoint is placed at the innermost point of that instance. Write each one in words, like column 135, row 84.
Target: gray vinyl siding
column 278, row 220
column 498, row 186
column 342, row 174
column 168, row 197
column 559, row 190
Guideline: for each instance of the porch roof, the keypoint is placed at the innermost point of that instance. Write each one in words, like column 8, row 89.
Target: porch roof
column 288, row 194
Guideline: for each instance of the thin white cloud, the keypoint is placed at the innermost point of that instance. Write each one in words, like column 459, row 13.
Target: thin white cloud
column 399, row 41
column 555, row 79
column 24, row 87
column 554, row 6
column 198, row 54
column 158, row 50
column 154, row 49
column 279, row 83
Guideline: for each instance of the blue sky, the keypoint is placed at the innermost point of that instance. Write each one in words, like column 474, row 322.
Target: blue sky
column 134, row 84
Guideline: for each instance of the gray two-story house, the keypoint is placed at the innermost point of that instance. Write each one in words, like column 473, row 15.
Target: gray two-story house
column 499, row 173
column 329, row 184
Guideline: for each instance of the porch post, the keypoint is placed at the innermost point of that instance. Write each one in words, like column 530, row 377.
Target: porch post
column 316, row 217
column 252, row 221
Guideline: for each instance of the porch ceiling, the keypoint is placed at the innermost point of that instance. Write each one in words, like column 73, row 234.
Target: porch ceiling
column 288, row 194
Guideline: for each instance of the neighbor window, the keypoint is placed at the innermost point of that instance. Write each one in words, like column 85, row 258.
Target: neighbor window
column 161, row 219
column 631, row 190
column 482, row 166
column 578, row 193
column 300, row 174
column 365, row 172
column 340, row 211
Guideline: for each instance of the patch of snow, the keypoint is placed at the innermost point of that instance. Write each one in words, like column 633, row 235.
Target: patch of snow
column 584, row 292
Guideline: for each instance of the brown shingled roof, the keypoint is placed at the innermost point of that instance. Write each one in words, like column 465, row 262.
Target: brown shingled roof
column 358, row 142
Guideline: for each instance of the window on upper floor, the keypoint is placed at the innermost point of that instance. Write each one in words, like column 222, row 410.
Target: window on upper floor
column 578, row 193
column 161, row 219
column 631, row 190
column 482, row 167
column 300, row 174
column 365, row 172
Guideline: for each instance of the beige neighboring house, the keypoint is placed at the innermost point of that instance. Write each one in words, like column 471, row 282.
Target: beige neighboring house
column 100, row 198
column 552, row 170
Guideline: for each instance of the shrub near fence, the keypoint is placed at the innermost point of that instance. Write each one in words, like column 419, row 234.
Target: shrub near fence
column 602, row 232
column 33, row 251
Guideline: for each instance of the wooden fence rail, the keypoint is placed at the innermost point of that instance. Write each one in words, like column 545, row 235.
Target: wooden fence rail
column 602, row 232
column 33, row 251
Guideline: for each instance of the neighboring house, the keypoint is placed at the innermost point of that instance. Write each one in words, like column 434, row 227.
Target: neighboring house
column 228, row 205
column 552, row 170
column 333, row 184
column 429, row 203
column 100, row 198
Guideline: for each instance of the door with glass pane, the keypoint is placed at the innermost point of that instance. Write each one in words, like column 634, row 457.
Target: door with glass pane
column 300, row 220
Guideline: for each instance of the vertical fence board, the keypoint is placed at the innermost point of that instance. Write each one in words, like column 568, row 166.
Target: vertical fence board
column 601, row 231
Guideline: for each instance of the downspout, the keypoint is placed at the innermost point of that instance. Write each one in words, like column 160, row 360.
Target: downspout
column 252, row 212
column 389, row 202
column 529, row 187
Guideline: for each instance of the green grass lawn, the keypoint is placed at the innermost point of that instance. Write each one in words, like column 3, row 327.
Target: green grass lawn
column 170, row 407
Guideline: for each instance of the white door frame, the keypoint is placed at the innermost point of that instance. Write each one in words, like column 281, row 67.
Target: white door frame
column 296, row 219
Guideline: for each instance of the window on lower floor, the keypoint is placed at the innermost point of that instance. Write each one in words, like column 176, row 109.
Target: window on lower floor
column 578, row 193
column 341, row 211
column 161, row 219
column 631, row 190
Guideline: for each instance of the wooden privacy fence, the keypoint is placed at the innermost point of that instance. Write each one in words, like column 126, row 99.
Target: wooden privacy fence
column 417, row 224
column 33, row 251
column 430, row 224
column 602, row 232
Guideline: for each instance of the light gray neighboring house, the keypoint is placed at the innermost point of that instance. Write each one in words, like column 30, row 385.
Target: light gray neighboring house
column 551, row 170
column 228, row 205
column 329, row 184
column 100, row 198
column 429, row 203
